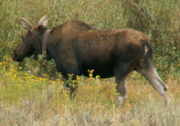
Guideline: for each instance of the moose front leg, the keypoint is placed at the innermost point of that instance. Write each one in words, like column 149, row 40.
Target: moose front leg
column 70, row 81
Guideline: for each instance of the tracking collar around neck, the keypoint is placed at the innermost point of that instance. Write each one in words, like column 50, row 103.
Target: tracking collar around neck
column 44, row 43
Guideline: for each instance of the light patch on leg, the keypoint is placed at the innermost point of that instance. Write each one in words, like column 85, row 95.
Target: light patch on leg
column 152, row 76
column 120, row 100
column 145, row 51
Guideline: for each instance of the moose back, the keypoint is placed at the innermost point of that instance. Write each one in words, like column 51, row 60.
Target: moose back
column 77, row 47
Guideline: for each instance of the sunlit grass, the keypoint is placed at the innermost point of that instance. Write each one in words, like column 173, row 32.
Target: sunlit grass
column 30, row 100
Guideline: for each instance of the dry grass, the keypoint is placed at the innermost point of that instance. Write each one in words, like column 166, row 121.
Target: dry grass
column 38, row 101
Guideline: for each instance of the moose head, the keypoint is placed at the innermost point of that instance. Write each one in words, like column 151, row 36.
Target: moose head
column 32, row 40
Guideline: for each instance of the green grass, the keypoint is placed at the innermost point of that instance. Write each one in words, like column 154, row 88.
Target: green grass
column 31, row 92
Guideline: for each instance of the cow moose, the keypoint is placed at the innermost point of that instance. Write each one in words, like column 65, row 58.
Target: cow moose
column 77, row 47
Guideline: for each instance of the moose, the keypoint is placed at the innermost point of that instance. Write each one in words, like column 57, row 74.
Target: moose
column 76, row 48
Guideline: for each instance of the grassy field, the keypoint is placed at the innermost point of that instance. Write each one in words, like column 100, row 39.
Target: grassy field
column 31, row 92
column 26, row 99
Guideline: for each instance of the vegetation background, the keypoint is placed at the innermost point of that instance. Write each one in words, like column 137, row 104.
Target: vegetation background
column 30, row 92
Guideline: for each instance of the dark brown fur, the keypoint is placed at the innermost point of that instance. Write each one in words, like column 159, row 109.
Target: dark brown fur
column 76, row 47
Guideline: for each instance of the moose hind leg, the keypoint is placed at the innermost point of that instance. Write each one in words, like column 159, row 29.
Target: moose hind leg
column 149, row 72
column 121, row 91
column 121, row 73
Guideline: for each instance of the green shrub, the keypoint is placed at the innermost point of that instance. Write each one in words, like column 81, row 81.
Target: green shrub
column 157, row 19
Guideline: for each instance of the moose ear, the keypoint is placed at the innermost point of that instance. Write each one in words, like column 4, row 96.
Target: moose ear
column 26, row 24
column 43, row 21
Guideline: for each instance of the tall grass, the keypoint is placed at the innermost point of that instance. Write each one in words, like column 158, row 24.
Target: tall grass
column 26, row 99
column 31, row 92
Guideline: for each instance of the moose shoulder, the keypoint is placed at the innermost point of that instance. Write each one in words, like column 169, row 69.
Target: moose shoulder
column 77, row 47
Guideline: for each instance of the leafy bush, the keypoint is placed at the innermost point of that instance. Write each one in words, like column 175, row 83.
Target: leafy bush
column 157, row 19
